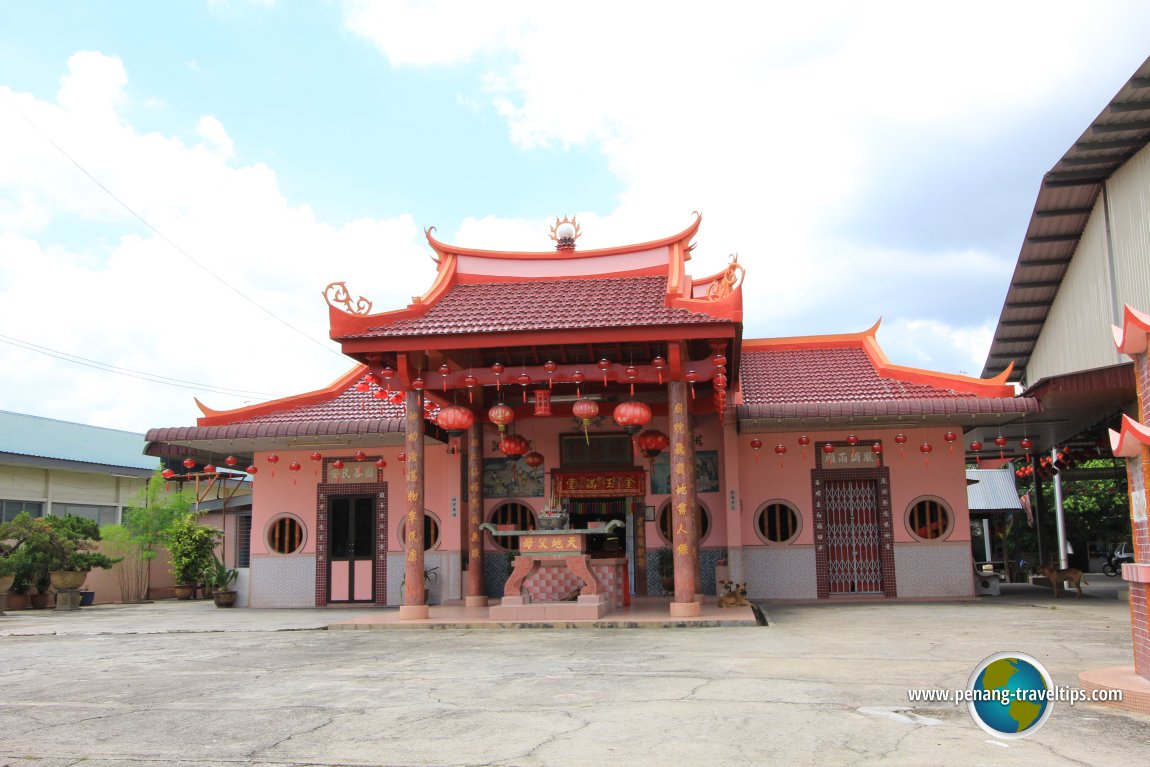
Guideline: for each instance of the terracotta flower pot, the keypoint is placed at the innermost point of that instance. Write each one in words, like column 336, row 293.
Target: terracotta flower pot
column 224, row 598
column 184, row 592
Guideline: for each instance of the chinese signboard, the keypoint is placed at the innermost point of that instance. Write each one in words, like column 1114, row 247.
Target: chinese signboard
column 847, row 457
column 559, row 543
column 599, row 484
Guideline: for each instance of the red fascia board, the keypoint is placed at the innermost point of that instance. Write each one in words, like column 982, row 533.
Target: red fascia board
column 582, row 337
column 487, row 279
column 331, row 391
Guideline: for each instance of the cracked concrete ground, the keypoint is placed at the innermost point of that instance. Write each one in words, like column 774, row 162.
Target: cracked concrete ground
column 180, row 684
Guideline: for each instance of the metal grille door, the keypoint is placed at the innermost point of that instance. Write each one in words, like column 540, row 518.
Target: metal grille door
column 854, row 564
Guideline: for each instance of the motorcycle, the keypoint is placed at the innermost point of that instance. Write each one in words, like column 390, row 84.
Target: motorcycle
column 1116, row 558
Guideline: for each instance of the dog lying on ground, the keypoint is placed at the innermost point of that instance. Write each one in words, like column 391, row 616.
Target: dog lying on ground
column 734, row 595
column 1071, row 574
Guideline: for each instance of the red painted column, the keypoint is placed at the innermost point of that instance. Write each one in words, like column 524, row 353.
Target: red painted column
column 1138, row 574
column 475, row 596
column 684, row 505
column 414, row 592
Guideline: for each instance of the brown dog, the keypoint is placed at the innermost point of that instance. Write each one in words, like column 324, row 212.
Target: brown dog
column 1056, row 577
column 736, row 597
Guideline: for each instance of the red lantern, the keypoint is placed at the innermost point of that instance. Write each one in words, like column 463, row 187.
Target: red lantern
column 1001, row 442
column 455, row 420
column 632, row 373
column 585, row 410
column 418, row 383
column 852, row 440
column 189, row 463
column 900, row 438
column 337, row 464
column 549, row 367
column 253, row 470
column 381, row 464
column 371, row 378
column 397, row 398
column 316, row 456
column 402, row 457
column 578, row 378
column 360, row 455
column 719, row 360
column 604, row 365
column 780, row 451
column 720, row 381
column 167, row 473
column 652, row 442
column 756, row 445
column 974, row 448
column 876, row 448
column 925, row 449
column 209, row 469
column 497, row 371
column 949, row 438
column 388, row 372
column 362, row 386
column 533, row 459
column 514, row 445
column 659, row 363
column 632, row 416
column 804, row 440
column 501, row 415
column 1026, row 444
column 690, row 377
column 294, row 466
column 828, row 448
column 542, row 402
column 523, row 380
column 444, row 372
column 231, row 460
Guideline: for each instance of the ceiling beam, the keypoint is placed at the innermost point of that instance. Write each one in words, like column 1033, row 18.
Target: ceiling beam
column 1046, row 238
column 1118, row 127
column 1053, row 212
column 1020, row 323
column 1037, row 284
column 1060, row 261
column 1104, row 159
column 1074, row 178
column 1027, row 304
column 1114, row 143
column 1130, row 106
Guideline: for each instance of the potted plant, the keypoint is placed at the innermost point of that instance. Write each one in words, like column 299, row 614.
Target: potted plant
column 53, row 552
column 222, row 579
column 7, row 578
column 192, row 552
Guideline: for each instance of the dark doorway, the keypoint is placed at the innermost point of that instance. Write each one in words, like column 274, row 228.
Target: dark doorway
column 351, row 549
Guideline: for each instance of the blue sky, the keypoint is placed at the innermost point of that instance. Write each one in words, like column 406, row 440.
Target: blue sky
column 864, row 161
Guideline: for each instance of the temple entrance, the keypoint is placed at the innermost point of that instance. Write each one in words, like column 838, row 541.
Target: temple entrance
column 351, row 552
column 854, row 564
column 620, row 542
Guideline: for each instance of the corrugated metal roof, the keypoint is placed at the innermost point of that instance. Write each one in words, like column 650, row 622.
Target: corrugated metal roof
column 61, row 440
column 1065, row 200
column 991, row 490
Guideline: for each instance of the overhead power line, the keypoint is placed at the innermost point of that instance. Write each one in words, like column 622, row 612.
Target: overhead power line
column 160, row 234
column 140, row 374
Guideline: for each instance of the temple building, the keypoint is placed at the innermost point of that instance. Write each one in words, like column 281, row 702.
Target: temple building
column 593, row 426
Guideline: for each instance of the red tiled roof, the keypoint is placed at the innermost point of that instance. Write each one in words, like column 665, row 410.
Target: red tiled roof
column 545, row 305
column 844, row 374
column 348, row 405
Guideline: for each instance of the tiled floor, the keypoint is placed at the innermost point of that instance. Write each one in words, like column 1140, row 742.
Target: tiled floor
column 647, row 612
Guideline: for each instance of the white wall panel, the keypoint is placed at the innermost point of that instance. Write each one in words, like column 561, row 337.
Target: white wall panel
column 1077, row 332
column 1130, row 224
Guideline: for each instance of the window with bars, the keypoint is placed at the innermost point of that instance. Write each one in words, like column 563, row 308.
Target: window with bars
column 10, row 509
column 929, row 519
column 430, row 531
column 244, row 540
column 777, row 522
column 511, row 516
column 702, row 522
column 285, row 534
column 101, row 515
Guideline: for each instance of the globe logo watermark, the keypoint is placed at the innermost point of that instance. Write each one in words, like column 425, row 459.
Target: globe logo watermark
column 1010, row 695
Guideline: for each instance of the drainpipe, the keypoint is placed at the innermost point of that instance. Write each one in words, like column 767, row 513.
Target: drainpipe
column 1058, row 516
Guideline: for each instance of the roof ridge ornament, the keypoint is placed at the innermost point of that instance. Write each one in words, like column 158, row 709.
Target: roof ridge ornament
column 337, row 293
column 564, row 232
column 728, row 281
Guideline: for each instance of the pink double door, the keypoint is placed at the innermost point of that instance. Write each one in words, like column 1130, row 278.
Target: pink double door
column 351, row 549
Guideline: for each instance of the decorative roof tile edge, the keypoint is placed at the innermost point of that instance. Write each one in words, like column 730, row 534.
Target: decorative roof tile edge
column 1131, row 337
column 331, row 391
column 867, row 340
column 907, row 407
column 1128, row 443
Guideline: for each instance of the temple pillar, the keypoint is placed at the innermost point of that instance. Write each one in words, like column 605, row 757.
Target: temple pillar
column 734, row 501
column 684, row 505
column 475, row 596
column 414, row 591
column 1137, row 574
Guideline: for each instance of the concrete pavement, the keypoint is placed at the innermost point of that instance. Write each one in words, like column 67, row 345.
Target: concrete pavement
column 186, row 684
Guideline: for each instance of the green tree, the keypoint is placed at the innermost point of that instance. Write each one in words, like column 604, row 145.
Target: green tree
column 142, row 534
column 192, row 549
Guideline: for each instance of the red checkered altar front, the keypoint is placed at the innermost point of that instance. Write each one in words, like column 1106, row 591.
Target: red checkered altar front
column 552, row 582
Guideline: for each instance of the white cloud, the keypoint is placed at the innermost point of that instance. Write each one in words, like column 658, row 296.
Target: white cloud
column 126, row 297
column 774, row 120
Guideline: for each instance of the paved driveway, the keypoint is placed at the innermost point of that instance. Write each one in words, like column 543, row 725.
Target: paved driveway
column 185, row 684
